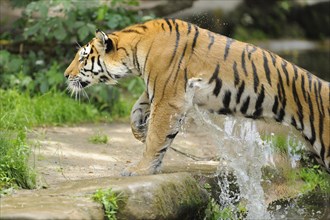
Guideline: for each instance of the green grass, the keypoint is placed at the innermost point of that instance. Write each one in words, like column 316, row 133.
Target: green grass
column 19, row 110
column 18, row 113
column 109, row 200
column 311, row 173
column 14, row 155
column 98, row 138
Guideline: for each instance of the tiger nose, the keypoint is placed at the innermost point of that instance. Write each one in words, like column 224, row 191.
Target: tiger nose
column 66, row 73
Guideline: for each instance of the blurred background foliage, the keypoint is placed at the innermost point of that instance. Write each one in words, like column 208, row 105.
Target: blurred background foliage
column 42, row 42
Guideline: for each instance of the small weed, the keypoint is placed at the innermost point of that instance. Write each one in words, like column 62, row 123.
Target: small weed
column 215, row 212
column 314, row 177
column 109, row 200
column 99, row 139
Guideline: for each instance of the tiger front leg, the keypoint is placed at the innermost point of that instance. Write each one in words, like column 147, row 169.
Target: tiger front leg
column 164, row 124
column 139, row 117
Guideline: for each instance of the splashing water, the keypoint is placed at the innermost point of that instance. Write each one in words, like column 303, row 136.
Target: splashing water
column 243, row 153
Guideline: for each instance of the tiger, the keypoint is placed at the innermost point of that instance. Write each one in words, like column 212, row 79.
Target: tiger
column 183, row 65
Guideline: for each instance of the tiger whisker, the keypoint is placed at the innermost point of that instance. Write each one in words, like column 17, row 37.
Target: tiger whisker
column 78, row 45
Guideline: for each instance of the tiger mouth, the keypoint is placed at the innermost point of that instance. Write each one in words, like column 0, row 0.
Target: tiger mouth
column 78, row 83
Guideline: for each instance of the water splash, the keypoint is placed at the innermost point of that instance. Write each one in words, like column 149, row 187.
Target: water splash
column 243, row 153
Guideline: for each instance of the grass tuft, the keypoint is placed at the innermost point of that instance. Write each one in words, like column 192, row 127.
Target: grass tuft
column 109, row 200
column 18, row 113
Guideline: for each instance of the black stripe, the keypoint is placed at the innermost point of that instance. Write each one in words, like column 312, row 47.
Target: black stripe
column 163, row 27
column 104, row 78
column 298, row 103
column 245, row 105
column 321, row 120
column 303, row 87
column 169, row 24
column 243, row 63
column 180, row 61
column 295, row 70
column 280, row 89
column 218, row 81
column 142, row 26
column 99, row 63
column 228, row 43
column 240, row 92
column 255, row 78
column 154, row 89
column 251, row 51
column 172, row 136
column 258, row 108
column 280, row 115
column 211, row 37
column 282, row 97
column 310, row 80
column 226, row 102
column 273, row 58
column 177, row 33
column 317, row 97
column 226, row 99
column 320, row 96
column 236, row 75
column 131, row 31
column 92, row 69
column 275, row 105
column 106, row 70
column 189, row 28
column 147, row 84
column 195, row 37
column 135, row 57
column 124, row 49
column 128, row 70
column 266, row 67
column 293, row 122
column 311, row 120
column 284, row 64
column 185, row 79
column 147, row 56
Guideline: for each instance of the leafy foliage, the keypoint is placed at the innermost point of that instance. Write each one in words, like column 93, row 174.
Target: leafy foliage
column 63, row 20
column 53, row 26
column 109, row 200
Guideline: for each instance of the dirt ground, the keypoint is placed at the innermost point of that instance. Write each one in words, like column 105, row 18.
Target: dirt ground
column 65, row 153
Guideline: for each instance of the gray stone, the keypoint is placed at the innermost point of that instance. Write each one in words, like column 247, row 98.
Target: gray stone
column 163, row 196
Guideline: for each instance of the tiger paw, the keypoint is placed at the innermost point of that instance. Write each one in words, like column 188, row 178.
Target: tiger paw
column 138, row 170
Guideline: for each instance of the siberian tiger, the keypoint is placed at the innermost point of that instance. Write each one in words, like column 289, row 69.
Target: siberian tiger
column 184, row 65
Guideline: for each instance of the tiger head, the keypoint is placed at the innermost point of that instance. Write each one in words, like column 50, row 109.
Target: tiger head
column 97, row 62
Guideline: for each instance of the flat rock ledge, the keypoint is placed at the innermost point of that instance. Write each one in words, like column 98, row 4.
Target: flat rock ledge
column 162, row 196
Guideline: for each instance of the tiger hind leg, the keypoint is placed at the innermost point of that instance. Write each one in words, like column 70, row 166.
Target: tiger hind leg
column 139, row 117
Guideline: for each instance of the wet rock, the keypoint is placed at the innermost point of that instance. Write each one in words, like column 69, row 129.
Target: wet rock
column 163, row 196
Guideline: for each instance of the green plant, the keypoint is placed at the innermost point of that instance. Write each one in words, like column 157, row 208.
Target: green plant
column 215, row 212
column 14, row 155
column 109, row 200
column 314, row 177
column 98, row 138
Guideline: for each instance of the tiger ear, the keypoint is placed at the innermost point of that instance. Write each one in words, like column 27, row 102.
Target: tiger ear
column 104, row 40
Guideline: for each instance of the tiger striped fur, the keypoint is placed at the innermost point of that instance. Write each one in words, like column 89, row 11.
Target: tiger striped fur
column 223, row 75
